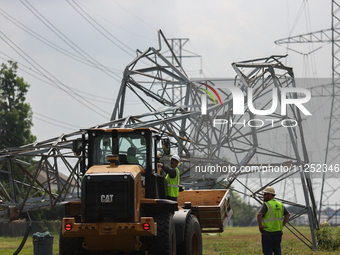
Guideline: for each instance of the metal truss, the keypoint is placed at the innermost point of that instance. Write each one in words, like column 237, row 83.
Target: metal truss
column 21, row 189
column 330, row 186
column 263, row 75
column 173, row 105
column 321, row 36
column 210, row 139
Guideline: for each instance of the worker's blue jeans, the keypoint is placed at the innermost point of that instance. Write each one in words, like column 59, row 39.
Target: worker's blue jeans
column 271, row 244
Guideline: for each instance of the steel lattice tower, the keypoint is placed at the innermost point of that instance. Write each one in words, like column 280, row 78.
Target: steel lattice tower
column 332, row 151
column 196, row 137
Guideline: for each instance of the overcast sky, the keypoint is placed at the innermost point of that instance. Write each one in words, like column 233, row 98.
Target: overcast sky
column 221, row 32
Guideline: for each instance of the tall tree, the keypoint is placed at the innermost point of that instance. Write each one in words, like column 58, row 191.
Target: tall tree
column 15, row 113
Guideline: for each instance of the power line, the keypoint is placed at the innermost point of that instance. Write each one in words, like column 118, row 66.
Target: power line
column 17, row 138
column 110, row 100
column 120, row 27
column 55, row 120
column 95, row 27
column 58, row 125
column 30, row 69
column 6, row 142
column 55, row 79
column 298, row 16
column 51, row 44
column 79, row 91
column 136, row 16
column 65, row 39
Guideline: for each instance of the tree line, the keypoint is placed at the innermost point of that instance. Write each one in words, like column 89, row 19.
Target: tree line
column 15, row 112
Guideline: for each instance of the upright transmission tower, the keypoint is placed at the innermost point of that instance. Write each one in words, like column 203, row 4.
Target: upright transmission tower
column 178, row 51
column 332, row 151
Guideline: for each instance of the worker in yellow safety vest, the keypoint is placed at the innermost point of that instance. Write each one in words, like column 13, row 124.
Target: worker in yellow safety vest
column 172, row 177
column 271, row 219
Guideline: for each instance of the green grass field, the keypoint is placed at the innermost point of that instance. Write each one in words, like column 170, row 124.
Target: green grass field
column 235, row 240
column 247, row 240
column 8, row 245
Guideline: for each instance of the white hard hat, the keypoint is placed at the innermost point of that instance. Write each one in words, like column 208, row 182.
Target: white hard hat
column 176, row 157
column 269, row 190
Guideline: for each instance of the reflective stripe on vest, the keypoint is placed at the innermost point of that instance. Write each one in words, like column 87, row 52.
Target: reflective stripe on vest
column 173, row 185
column 271, row 220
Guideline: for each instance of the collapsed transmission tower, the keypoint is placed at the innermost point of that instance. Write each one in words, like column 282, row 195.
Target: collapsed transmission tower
column 217, row 143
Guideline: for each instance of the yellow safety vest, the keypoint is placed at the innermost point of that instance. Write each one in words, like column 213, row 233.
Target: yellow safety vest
column 172, row 185
column 272, row 220
column 131, row 159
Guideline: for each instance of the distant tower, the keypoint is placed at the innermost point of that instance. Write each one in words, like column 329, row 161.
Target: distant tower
column 177, row 46
column 332, row 152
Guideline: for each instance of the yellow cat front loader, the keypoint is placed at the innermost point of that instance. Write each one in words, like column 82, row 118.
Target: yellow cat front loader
column 123, row 206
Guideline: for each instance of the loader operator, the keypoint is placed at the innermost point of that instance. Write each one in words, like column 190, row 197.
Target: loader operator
column 271, row 219
column 172, row 177
column 131, row 156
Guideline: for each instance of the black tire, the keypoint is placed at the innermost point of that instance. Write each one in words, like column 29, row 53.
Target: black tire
column 192, row 244
column 165, row 241
column 71, row 246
